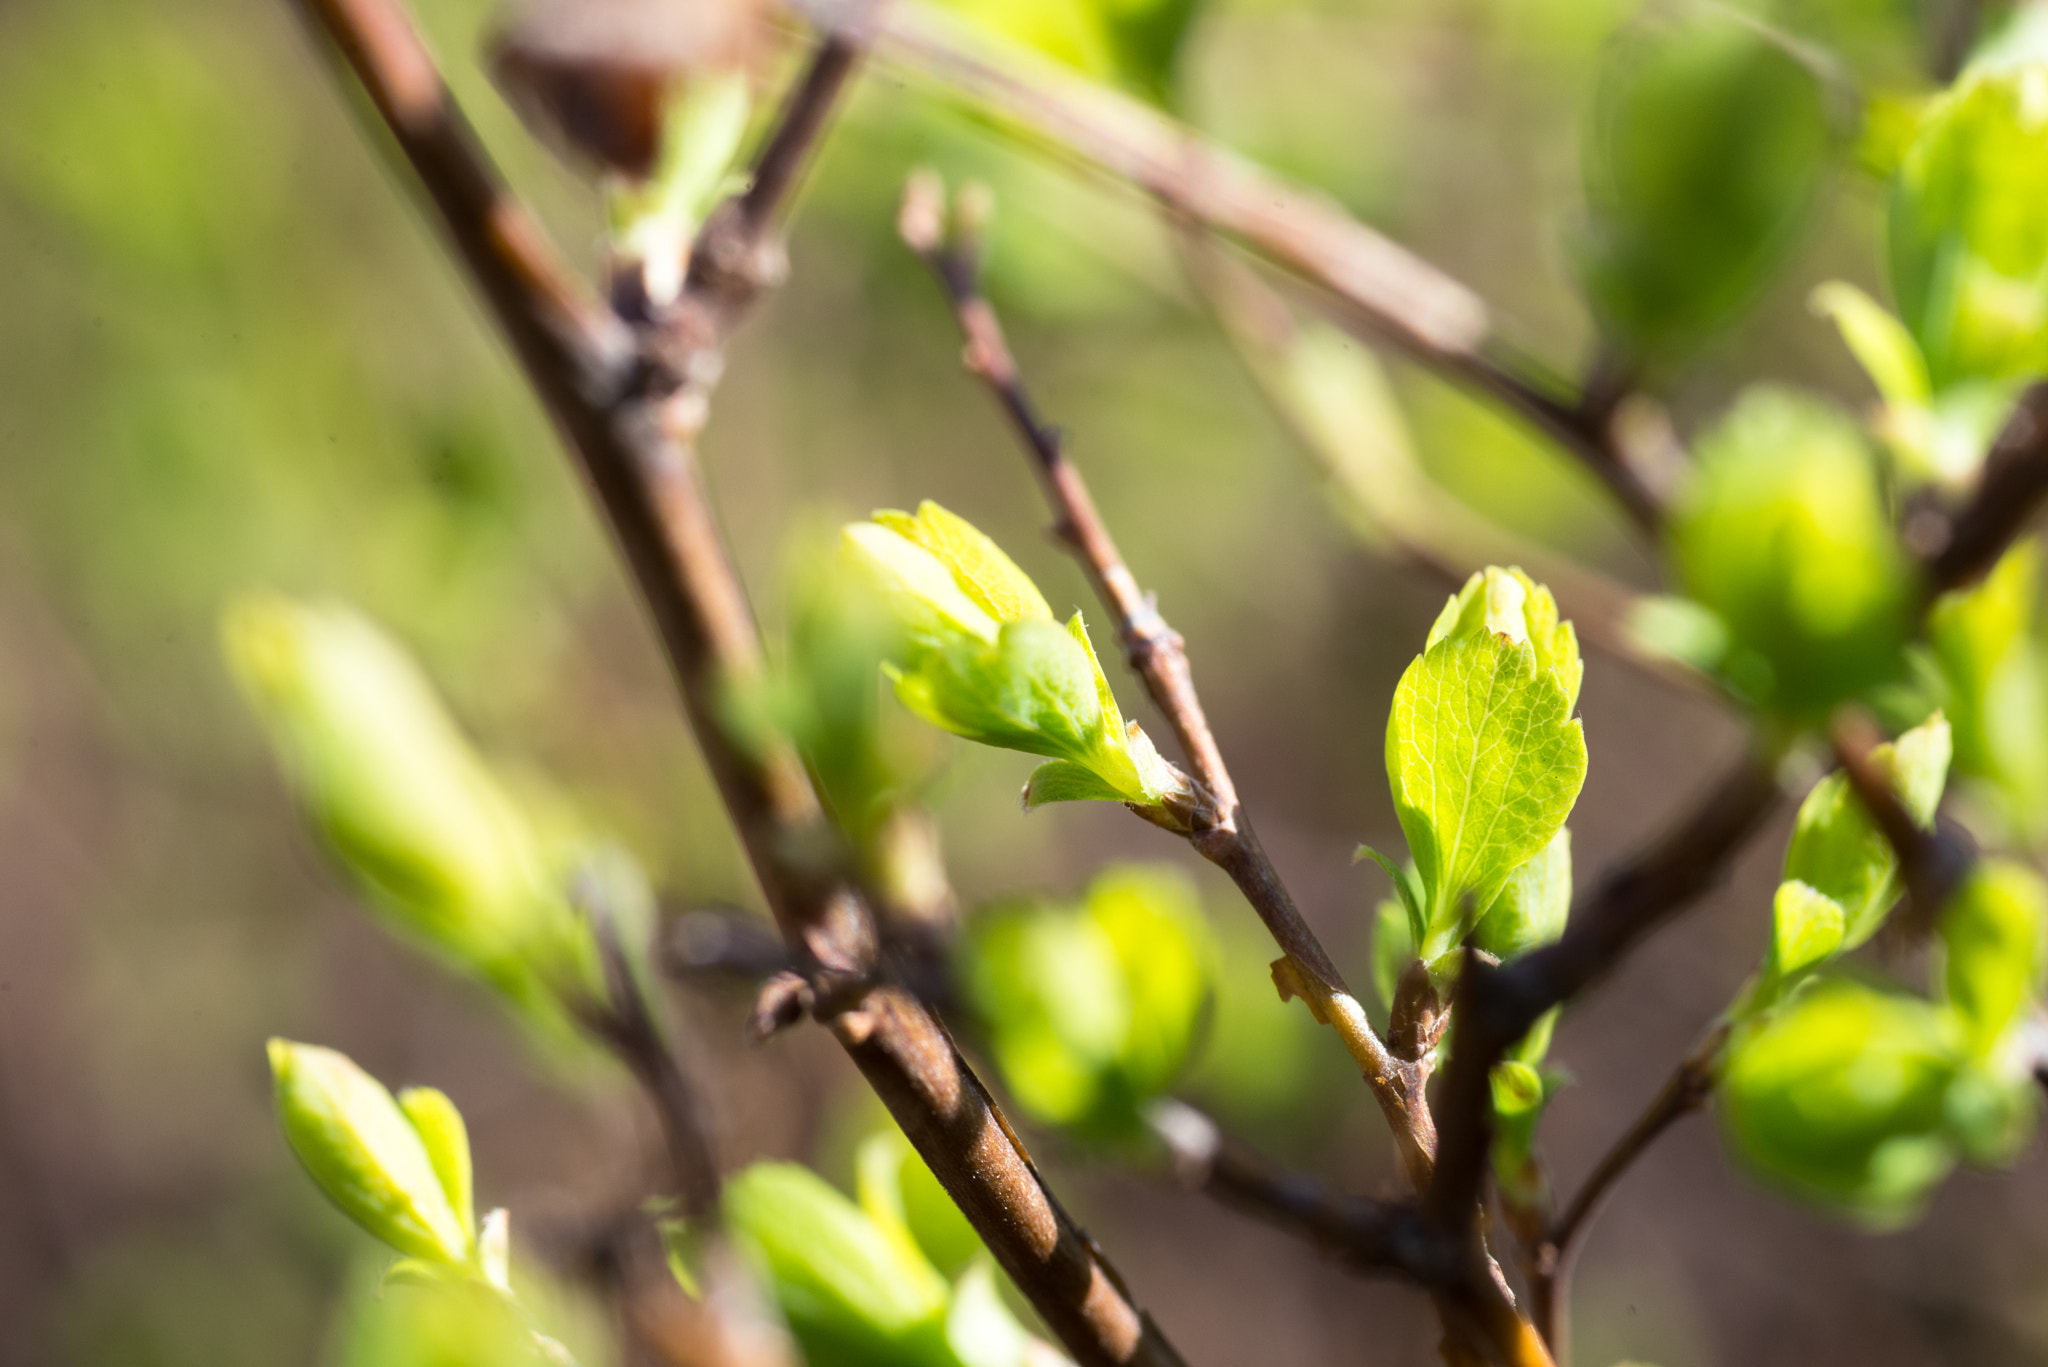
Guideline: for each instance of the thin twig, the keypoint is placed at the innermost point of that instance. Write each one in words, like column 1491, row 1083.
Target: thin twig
column 1377, row 286
column 1223, row 832
column 1497, row 1006
column 2008, row 493
column 1389, row 500
column 1364, row 1235
column 1479, row 1315
column 1689, row 1087
column 614, row 405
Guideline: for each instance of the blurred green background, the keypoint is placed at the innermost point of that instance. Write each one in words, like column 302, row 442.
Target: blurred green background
column 232, row 356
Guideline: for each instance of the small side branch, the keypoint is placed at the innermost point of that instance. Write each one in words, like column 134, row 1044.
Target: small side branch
column 1690, row 1087
column 1223, row 833
column 1376, row 286
column 1497, row 1006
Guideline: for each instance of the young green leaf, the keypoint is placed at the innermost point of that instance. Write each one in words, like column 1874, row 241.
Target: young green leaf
column 447, row 1142
column 983, row 658
column 1393, row 948
column 1509, row 603
column 1534, row 904
column 1968, row 231
column 1784, row 536
column 899, row 1193
column 848, row 1290
column 1806, row 929
column 364, row 1153
column 1997, row 692
column 1708, row 139
column 1841, row 1098
column 1485, row 761
column 1992, row 932
column 1878, row 341
column 1837, row 850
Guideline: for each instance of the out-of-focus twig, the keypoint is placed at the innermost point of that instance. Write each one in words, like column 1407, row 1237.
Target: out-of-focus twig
column 1375, row 284
column 1222, row 830
column 1689, row 1087
column 1384, row 494
column 2009, row 492
column 628, row 399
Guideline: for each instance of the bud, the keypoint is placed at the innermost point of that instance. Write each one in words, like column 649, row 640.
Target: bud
column 401, row 799
column 359, row 1147
column 849, row 1290
column 1842, row 1098
column 599, row 78
column 1509, row 603
column 981, row 656
column 1532, row 908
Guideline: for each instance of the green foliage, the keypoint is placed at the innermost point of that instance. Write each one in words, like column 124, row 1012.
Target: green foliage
column 1837, row 850
column 1992, row 934
column 1133, row 42
column 1784, row 536
column 703, row 131
column 1968, row 235
column 428, row 833
column 1709, row 137
column 900, row 1194
column 855, row 1289
column 1997, row 692
column 1533, row 904
column 1484, row 757
column 439, row 1326
column 440, row 1128
column 363, row 1150
column 1842, row 1098
column 1093, row 1010
column 981, row 656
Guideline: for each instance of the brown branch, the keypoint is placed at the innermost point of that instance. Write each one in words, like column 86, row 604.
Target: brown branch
column 1376, row 286
column 1479, row 1314
column 612, row 393
column 1363, row 1235
column 1689, row 1087
column 1222, row 831
column 1497, row 1006
column 2009, row 491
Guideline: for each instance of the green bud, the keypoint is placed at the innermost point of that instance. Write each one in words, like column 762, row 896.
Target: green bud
column 1093, row 1010
column 1841, row 1097
column 446, row 1138
column 1969, row 254
column 1785, row 536
column 1509, row 603
column 400, row 797
column 982, row 657
column 360, row 1148
column 1520, row 1093
column 1992, row 931
column 849, row 1291
column 1839, row 853
column 1997, row 692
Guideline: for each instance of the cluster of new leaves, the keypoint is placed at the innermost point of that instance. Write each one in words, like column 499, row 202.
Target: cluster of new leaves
column 1861, row 1096
column 1485, row 761
column 1093, row 1010
column 399, row 1167
column 978, row 653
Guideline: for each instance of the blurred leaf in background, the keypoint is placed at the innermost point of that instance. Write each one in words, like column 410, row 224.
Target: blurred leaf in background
column 1092, row 1010
column 1709, row 138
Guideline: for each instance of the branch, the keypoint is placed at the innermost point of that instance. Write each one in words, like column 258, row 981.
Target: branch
column 1689, row 1087
column 1477, row 1310
column 1377, row 287
column 1363, row 1235
column 612, row 393
column 1223, row 832
column 1966, row 544
column 1497, row 1006
column 1390, row 500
